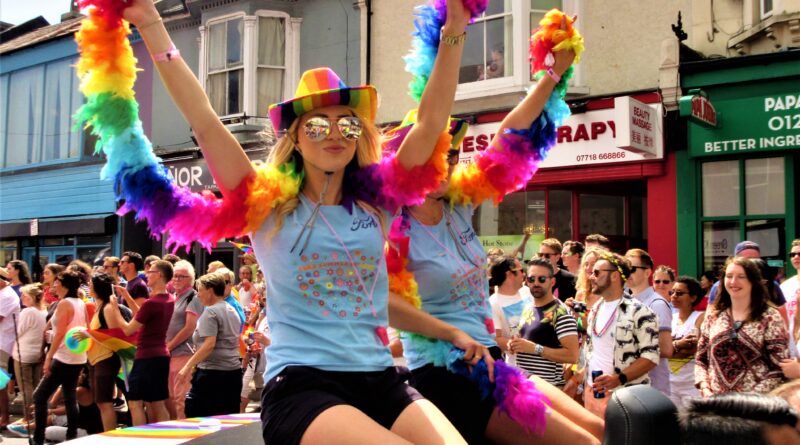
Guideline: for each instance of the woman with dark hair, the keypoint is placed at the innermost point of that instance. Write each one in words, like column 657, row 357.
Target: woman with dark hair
column 217, row 379
column 61, row 366
column 103, row 362
column 507, row 275
column 743, row 338
column 19, row 274
column 48, row 277
column 684, row 296
column 85, row 270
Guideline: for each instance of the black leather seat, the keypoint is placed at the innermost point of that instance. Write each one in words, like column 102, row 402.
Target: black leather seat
column 641, row 415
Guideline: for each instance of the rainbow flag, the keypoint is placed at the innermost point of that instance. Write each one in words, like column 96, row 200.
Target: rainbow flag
column 121, row 344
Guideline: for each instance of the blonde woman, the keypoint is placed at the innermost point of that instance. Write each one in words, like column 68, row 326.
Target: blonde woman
column 30, row 334
column 329, row 290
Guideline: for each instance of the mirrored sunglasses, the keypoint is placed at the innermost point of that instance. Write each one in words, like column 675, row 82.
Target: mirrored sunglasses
column 318, row 128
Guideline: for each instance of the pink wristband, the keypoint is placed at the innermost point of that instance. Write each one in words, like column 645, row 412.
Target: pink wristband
column 553, row 75
column 169, row 54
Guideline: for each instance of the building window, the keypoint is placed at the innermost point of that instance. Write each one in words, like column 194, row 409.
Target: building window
column 37, row 115
column 743, row 199
column 489, row 47
column 248, row 62
column 765, row 8
column 495, row 59
column 226, row 66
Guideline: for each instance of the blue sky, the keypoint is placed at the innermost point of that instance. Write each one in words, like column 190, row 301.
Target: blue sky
column 19, row 11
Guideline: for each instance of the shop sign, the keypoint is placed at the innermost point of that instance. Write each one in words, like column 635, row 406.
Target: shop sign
column 194, row 174
column 509, row 243
column 34, row 227
column 698, row 108
column 764, row 123
column 584, row 139
column 636, row 125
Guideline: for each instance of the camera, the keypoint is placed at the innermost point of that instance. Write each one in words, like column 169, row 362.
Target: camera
column 579, row 307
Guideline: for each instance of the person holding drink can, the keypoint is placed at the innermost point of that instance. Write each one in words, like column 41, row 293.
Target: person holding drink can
column 622, row 341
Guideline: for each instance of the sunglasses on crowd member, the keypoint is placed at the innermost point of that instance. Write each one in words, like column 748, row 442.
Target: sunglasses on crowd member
column 318, row 128
column 541, row 279
column 546, row 255
column 662, row 281
column 516, row 271
column 737, row 325
column 794, row 254
column 596, row 272
column 633, row 268
column 677, row 293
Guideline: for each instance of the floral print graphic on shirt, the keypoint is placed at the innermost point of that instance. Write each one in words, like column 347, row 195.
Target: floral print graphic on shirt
column 329, row 282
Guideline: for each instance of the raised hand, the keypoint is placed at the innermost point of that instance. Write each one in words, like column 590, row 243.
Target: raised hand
column 140, row 12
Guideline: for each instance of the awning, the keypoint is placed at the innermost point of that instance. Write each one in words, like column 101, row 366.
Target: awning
column 97, row 224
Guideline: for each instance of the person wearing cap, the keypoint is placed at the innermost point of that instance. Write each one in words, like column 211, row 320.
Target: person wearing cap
column 751, row 249
column 448, row 262
column 320, row 204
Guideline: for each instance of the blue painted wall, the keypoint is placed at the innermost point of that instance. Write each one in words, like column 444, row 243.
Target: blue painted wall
column 66, row 191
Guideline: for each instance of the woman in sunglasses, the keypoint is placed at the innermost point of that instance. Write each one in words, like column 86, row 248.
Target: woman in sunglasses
column 321, row 203
column 663, row 277
column 685, row 294
column 743, row 338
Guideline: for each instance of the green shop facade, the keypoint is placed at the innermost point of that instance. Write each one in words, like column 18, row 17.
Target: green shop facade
column 737, row 177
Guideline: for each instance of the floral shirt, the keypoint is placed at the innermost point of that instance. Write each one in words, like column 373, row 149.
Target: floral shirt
column 635, row 336
column 743, row 360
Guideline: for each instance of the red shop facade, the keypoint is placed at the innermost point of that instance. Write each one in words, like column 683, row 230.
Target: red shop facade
column 603, row 176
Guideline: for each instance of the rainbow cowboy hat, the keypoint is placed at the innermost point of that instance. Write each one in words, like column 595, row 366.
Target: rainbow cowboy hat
column 321, row 87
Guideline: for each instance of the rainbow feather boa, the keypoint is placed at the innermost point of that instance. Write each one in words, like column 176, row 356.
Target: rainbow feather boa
column 107, row 71
column 425, row 40
column 505, row 167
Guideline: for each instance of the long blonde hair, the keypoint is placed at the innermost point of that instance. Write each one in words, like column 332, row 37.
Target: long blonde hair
column 368, row 152
column 583, row 285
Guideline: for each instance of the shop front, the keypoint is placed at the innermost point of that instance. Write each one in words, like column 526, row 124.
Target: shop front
column 601, row 177
column 742, row 159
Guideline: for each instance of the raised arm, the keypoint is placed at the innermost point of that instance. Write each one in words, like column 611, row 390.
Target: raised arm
column 226, row 159
column 437, row 98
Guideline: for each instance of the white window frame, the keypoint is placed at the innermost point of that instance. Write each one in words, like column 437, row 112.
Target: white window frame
column 520, row 79
column 250, row 56
column 766, row 14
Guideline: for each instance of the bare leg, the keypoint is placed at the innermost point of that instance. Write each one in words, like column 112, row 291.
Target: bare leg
column 423, row 423
column 571, row 409
column 157, row 411
column 4, row 407
column 136, row 408
column 559, row 431
column 243, row 404
column 108, row 415
column 344, row 424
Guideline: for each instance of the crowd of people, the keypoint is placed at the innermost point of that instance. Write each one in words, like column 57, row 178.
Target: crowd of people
column 195, row 355
column 355, row 233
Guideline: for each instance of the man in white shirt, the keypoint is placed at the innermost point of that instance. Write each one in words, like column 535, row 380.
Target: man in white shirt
column 639, row 284
column 507, row 303
column 9, row 311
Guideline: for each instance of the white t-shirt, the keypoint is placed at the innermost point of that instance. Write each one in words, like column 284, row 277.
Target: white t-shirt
column 791, row 291
column 506, row 313
column 9, row 308
column 30, row 327
column 603, row 346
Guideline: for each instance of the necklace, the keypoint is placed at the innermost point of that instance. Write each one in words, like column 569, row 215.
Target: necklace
column 609, row 322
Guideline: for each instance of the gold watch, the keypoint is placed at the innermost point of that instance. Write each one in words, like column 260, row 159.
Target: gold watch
column 453, row 40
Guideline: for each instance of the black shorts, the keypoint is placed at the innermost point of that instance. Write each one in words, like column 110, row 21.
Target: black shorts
column 149, row 379
column 214, row 392
column 458, row 397
column 102, row 376
column 293, row 399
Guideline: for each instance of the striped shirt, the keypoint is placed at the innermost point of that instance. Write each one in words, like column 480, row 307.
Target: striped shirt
column 545, row 326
